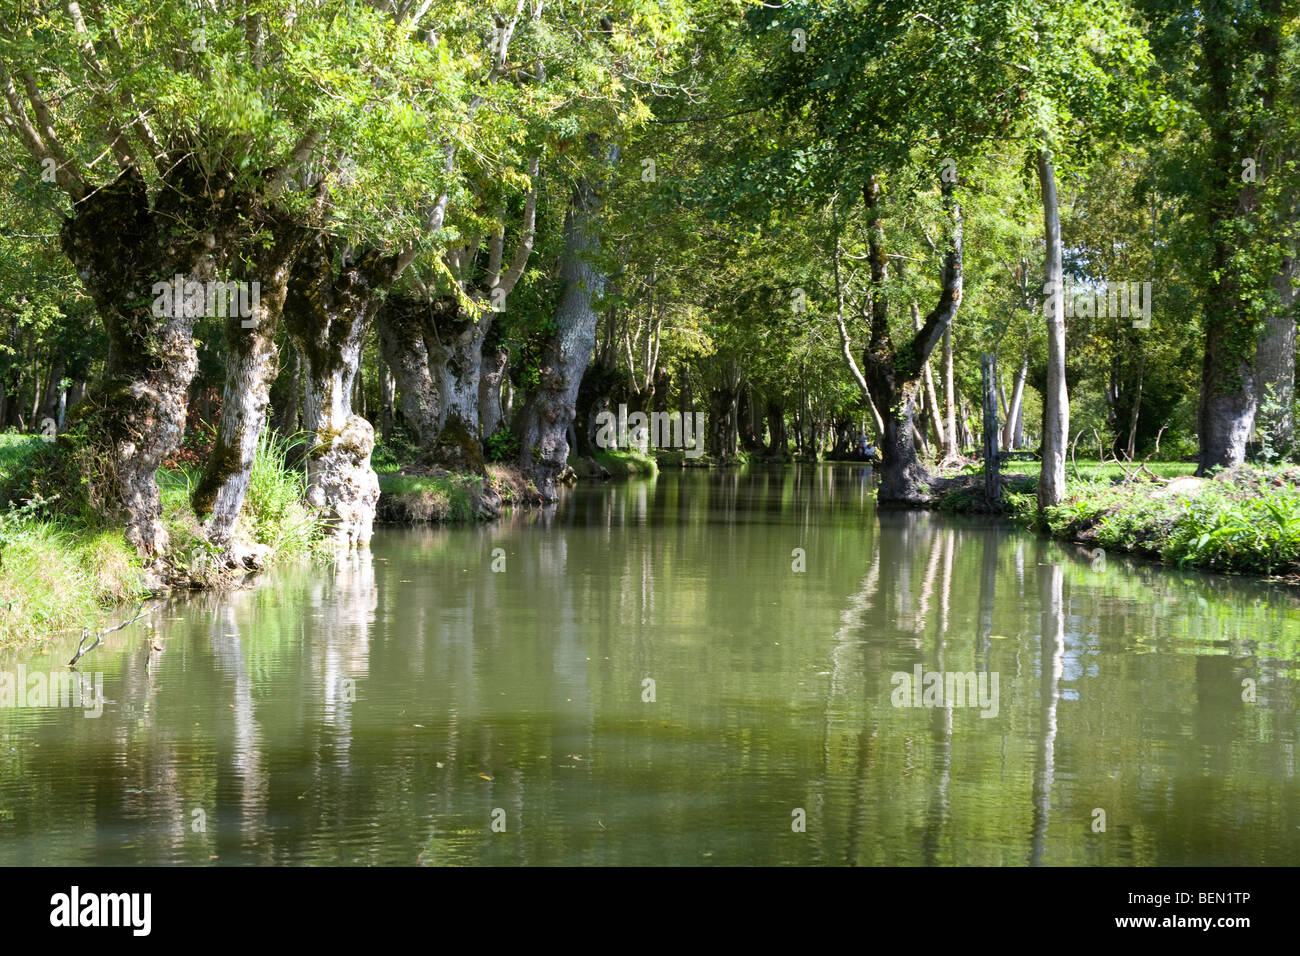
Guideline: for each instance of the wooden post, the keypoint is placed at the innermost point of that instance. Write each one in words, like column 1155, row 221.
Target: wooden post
column 992, row 478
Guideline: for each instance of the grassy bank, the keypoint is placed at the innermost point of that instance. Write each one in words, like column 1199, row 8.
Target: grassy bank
column 630, row 463
column 413, row 498
column 1243, row 520
column 677, row 458
column 60, row 569
column 56, row 572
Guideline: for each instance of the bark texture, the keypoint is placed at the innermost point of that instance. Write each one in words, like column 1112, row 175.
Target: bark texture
column 405, row 330
column 893, row 375
column 251, row 367
column 121, row 246
column 1056, row 400
column 491, row 377
column 327, row 314
column 1275, row 363
column 543, row 421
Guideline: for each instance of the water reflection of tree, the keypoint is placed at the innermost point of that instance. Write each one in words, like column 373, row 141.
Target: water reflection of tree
column 243, row 763
column 936, row 816
column 1051, row 665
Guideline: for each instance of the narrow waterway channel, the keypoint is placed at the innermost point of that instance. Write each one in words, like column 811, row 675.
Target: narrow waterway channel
column 712, row 667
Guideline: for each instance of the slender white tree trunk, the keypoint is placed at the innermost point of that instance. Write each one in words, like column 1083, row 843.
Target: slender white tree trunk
column 1056, row 402
column 952, row 441
column 1012, row 427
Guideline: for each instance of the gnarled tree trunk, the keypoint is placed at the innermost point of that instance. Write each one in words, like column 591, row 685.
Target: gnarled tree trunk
column 455, row 371
column 549, row 410
column 251, row 367
column 894, row 376
column 122, row 247
column 327, row 317
column 403, row 322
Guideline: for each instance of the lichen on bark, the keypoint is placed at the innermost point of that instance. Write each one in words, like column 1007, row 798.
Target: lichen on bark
column 122, row 243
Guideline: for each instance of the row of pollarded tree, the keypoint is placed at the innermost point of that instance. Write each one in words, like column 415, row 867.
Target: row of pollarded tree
column 185, row 204
column 447, row 367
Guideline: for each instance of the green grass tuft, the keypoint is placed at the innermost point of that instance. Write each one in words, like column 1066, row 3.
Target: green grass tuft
column 629, row 462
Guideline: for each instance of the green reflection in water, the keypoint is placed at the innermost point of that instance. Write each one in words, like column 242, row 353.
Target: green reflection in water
column 380, row 710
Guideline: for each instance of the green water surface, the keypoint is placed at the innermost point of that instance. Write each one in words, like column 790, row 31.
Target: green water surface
column 390, row 708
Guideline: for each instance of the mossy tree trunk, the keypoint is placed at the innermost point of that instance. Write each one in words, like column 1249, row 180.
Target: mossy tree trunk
column 893, row 375
column 455, row 369
column 403, row 324
column 778, row 445
column 544, row 420
column 121, row 246
column 327, row 313
column 438, row 349
column 491, row 376
column 435, row 351
column 458, row 369
column 1241, row 63
column 251, row 367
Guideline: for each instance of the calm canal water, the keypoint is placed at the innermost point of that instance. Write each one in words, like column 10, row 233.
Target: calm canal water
column 393, row 708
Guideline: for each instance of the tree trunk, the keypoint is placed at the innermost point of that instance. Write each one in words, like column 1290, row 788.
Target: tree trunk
column 992, row 476
column 931, row 397
column 404, row 333
column 50, row 394
column 1131, row 449
column 965, row 437
column 289, row 395
column 387, row 397
column 952, row 441
column 436, row 351
column 493, row 370
column 455, row 370
column 893, row 376
column 778, row 444
column 1239, row 65
column 843, row 444
column 122, row 248
column 1227, row 409
column 732, row 381
column 595, row 393
column 251, row 366
column 327, row 316
column 901, row 480
column 75, row 394
column 1012, row 428
column 1275, row 362
column 1056, row 401
column 543, row 421
column 720, row 423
